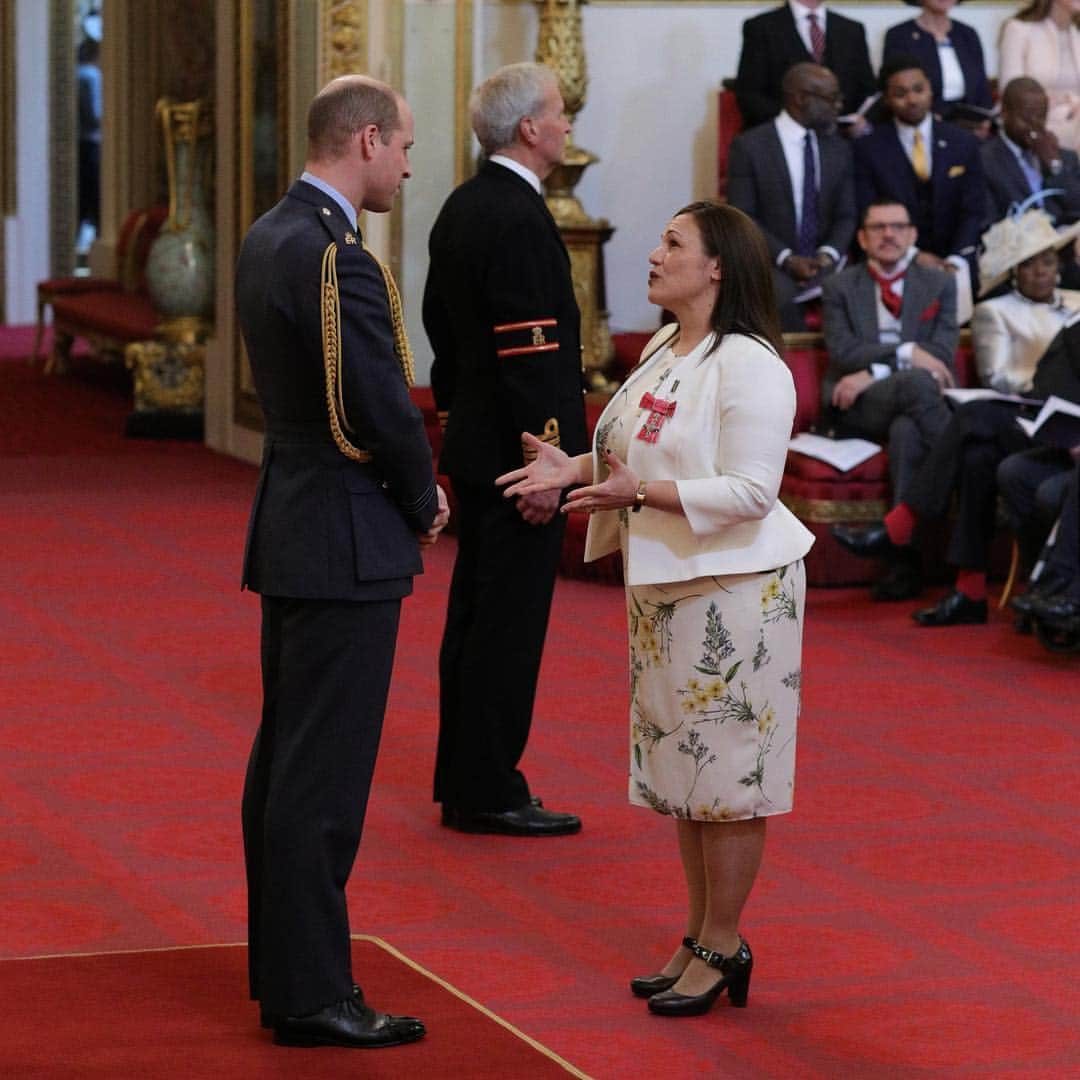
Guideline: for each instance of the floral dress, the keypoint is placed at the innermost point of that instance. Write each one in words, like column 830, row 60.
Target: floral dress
column 714, row 672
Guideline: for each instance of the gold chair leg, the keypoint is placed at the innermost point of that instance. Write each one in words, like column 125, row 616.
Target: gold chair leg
column 36, row 354
column 1010, row 581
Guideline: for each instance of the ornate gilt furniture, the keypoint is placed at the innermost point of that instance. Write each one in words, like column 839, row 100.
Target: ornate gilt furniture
column 107, row 312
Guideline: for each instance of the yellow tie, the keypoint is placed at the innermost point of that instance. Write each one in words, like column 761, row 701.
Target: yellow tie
column 918, row 158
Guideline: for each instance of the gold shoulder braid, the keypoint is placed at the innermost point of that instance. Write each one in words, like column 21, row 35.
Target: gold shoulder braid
column 331, row 343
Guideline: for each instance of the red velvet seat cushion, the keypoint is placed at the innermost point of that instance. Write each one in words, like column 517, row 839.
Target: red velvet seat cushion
column 68, row 285
column 116, row 314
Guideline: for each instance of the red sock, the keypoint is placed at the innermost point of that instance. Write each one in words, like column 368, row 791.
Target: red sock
column 900, row 524
column 972, row 583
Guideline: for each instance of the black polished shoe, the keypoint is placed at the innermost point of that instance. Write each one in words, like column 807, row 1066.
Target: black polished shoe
column 348, row 1023
column 1048, row 585
column 871, row 542
column 646, row 985
column 527, row 820
column 952, row 610
column 1060, row 610
column 450, row 815
column 735, row 978
column 902, row 579
column 269, row 1019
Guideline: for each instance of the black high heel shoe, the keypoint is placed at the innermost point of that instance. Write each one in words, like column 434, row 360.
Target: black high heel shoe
column 646, row 985
column 735, row 979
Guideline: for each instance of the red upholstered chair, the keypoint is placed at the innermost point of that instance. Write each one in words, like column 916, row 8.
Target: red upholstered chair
column 820, row 495
column 109, row 312
column 728, row 125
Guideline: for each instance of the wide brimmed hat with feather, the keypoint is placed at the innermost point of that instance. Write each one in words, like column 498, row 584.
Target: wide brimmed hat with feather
column 1015, row 239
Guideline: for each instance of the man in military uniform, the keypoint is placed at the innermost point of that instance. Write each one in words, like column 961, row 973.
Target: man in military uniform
column 499, row 309
column 345, row 497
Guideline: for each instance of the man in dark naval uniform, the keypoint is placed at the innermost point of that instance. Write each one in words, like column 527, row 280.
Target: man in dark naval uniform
column 499, row 309
column 345, row 495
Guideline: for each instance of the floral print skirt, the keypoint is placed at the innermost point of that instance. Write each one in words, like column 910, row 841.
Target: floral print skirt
column 715, row 669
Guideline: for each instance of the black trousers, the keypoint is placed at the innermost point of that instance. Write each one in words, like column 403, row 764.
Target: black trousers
column 326, row 672
column 496, row 620
column 1033, row 486
column 964, row 462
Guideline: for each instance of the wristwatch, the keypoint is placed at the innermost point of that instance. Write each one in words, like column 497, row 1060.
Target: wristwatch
column 639, row 498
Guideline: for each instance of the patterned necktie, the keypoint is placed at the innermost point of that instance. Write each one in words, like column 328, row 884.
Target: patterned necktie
column 808, row 223
column 918, row 158
column 817, row 38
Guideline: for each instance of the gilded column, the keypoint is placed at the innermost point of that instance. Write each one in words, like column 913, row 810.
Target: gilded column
column 561, row 47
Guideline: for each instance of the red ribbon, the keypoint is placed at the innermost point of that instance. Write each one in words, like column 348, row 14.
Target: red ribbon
column 657, row 405
column 659, row 411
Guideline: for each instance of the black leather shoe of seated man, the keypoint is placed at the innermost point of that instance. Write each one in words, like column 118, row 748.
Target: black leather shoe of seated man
column 348, row 1023
column 952, row 610
column 527, row 820
column 869, row 542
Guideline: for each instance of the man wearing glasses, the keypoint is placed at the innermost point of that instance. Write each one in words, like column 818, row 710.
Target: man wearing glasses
column 793, row 176
column 890, row 329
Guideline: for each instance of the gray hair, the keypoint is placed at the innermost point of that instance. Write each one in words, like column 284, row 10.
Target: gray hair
column 500, row 102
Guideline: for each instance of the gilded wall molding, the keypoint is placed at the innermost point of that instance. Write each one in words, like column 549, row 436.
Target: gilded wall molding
column 344, row 38
column 8, row 146
column 463, row 81
column 64, row 177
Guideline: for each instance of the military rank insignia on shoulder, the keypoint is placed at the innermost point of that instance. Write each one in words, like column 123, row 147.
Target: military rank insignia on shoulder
column 524, row 338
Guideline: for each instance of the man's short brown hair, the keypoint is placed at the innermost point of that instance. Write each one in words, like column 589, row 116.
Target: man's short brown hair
column 342, row 108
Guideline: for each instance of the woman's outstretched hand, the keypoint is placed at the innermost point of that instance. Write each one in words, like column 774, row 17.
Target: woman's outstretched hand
column 550, row 470
column 617, row 491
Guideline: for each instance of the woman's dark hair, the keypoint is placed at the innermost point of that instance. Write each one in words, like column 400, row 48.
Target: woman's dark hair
column 746, row 302
column 1038, row 10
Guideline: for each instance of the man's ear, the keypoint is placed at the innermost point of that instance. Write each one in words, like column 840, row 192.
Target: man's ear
column 368, row 136
column 527, row 130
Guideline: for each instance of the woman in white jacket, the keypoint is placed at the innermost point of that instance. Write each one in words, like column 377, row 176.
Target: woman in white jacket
column 684, row 476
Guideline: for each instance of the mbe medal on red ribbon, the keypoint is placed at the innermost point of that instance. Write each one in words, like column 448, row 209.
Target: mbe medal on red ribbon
column 659, row 411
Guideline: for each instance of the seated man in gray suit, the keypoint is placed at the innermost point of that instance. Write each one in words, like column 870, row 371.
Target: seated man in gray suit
column 890, row 329
column 793, row 176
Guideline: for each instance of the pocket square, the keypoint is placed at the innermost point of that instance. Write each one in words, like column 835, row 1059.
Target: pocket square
column 930, row 311
column 957, row 170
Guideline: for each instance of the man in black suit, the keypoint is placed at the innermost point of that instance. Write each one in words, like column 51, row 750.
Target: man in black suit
column 934, row 169
column 500, row 312
column 793, row 176
column 890, row 330
column 346, row 490
column 796, row 33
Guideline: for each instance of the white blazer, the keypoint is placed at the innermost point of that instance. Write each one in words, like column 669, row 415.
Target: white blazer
column 726, row 451
column 1011, row 333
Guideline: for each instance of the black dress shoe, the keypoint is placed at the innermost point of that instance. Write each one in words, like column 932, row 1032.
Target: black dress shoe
column 348, row 1023
column 952, row 610
column 1048, row 585
column 871, row 542
column 269, row 1019
column 646, row 985
column 527, row 820
column 902, row 579
column 735, row 979
column 1061, row 610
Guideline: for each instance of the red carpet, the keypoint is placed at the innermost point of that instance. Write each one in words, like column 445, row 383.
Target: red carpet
column 915, row 917
column 181, row 1013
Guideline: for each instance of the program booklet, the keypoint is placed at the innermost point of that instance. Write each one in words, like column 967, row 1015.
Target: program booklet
column 842, row 454
column 1058, row 424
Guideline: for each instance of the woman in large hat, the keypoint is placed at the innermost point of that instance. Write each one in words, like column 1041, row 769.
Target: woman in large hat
column 1012, row 331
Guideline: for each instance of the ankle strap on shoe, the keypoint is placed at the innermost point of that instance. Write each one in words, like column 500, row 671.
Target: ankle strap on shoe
column 716, row 959
column 689, row 943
